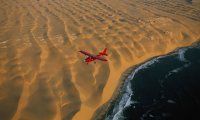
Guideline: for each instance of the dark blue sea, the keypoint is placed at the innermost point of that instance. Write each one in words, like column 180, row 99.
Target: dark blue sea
column 163, row 88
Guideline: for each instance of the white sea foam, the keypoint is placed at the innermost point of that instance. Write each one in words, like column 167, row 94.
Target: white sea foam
column 144, row 66
column 181, row 54
column 125, row 101
column 117, row 113
column 177, row 69
column 128, row 102
column 171, row 101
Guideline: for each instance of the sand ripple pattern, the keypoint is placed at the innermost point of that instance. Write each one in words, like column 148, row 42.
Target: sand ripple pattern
column 42, row 75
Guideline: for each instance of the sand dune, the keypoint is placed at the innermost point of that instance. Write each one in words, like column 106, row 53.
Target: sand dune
column 42, row 75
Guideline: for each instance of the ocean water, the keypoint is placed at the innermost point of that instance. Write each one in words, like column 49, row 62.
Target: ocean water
column 164, row 88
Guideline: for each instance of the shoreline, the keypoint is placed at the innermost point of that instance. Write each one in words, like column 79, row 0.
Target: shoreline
column 101, row 112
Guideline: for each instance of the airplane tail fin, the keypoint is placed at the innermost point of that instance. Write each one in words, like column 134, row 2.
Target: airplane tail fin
column 104, row 52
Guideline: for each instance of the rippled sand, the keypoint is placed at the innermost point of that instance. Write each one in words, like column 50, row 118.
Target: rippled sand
column 42, row 75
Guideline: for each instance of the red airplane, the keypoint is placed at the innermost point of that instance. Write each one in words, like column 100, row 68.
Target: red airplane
column 91, row 57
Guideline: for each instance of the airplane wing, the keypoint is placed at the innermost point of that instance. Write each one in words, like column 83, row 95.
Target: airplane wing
column 102, row 59
column 86, row 53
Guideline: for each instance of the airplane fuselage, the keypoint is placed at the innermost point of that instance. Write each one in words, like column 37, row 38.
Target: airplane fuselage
column 89, row 59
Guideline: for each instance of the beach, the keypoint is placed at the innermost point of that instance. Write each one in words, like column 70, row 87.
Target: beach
column 42, row 74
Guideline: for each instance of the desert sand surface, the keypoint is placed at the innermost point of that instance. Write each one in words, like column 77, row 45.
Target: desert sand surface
column 42, row 74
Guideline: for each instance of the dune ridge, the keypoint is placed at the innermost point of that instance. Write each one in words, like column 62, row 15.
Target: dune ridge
column 42, row 75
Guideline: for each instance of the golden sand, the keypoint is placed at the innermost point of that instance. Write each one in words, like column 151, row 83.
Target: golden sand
column 42, row 75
